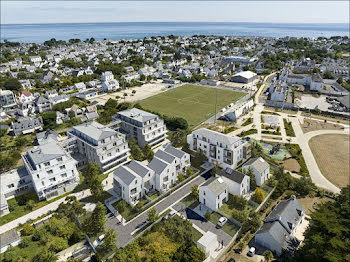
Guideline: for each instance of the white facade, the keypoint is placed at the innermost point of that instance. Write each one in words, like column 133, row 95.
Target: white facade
column 222, row 150
column 144, row 127
column 53, row 171
column 213, row 193
column 260, row 168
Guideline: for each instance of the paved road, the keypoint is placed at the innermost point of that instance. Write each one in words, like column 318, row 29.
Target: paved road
column 124, row 231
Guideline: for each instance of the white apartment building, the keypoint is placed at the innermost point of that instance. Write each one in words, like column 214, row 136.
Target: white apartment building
column 100, row 144
column 7, row 100
column 213, row 193
column 145, row 127
column 222, row 150
column 52, row 169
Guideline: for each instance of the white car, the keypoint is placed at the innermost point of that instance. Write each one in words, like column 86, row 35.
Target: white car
column 222, row 221
column 251, row 251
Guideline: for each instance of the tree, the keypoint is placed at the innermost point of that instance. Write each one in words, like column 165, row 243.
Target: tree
column 268, row 256
column 148, row 152
column 93, row 179
column 135, row 150
column 45, row 256
column 152, row 215
column 214, row 170
column 97, row 221
column 71, row 208
column 58, row 244
column 252, row 179
column 28, row 229
column 328, row 75
column 142, row 77
column 49, row 119
column 12, row 84
column 189, row 172
column 327, row 237
column 304, row 185
column 195, row 191
column 30, row 204
column 121, row 206
column 20, row 141
column 109, row 241
column 258, row 196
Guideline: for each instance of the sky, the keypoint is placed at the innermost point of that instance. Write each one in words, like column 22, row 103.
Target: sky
column 32, row 12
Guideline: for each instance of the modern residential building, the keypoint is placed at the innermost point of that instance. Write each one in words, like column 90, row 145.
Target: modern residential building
column 133, row 181
column 184, row 158
column 145, row 127
column 52, row 169
column 100, row 144
column 26, row 126
column 222, row 150
column 277, row 232
column 7, row 100
column 260, row 169
column 109, row 83
column 213, row 193
column 278, row 91
column 165, row 174
column 238, row 183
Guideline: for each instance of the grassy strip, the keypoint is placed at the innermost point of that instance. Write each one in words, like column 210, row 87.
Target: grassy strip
column 248, row 132
column 276, row 133
column 248, row 121
column 288, row 127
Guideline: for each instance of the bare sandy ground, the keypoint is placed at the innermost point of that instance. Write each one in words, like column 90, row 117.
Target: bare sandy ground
column 142, row 92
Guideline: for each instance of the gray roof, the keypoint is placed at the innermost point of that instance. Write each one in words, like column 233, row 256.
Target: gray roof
column 174, row 151
column 138, row 168
column 258, row 163
column 23, row 125
column 95, row 130
column 164, row 156
column 231, row 174
column 41, row 100
column 279, row 221
column 45, row 152
column 345, row 100
column 125, row 174
column 157, row 165
column 137, row 114
column 216, row 185
column 47, row 134
column 8, row 237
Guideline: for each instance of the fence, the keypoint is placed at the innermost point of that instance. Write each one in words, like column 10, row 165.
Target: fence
column 228, row 246
column 234, row 221
column 266, row 198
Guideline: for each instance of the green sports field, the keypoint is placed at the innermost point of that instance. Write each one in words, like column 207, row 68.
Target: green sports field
column 194, row 103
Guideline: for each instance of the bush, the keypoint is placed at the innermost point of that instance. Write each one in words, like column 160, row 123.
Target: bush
column 258, row 196
column 24, row 242
column 181, row 177
column 28, row 229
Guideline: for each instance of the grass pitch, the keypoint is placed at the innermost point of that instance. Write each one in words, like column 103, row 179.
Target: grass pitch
column 193, row 103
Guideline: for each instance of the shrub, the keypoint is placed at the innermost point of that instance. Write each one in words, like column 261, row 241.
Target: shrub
column 181, row 177
column 258, row 196
column 24, row 242
column 28, row 229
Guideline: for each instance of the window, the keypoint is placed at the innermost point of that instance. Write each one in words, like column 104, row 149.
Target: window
column 64, row 175
column 50, row 171
column 46, row 163
column 37, row 176
column 204, row 193
column 52, row 179
column 11, row 186
column 59, row 159
column 62, row 167
column 43, row 183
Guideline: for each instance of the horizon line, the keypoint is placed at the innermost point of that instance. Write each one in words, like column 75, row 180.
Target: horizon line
column 309, row 23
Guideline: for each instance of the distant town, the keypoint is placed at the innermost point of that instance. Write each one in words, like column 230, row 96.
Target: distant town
column 196, row 148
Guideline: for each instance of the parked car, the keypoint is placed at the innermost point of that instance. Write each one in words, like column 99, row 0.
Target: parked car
column 222, row 221
column 251, row 252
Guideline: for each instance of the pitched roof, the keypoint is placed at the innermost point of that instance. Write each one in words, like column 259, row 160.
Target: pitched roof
column 174, row 151
column 137, row 114
column 216, row 185
column 125, row 174
column 158, row 165
column 214, row 136
column 95, row 130
column 231, row 174
column 258, row 163
column 8, row 237
column 139, row 168
column 164, row 156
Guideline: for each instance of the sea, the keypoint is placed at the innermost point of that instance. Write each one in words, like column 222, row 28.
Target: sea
column 38, row 33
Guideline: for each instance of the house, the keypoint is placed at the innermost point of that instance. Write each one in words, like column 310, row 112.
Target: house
column 238, row 183
column 88, row 94
column 185, row 74
column 59, row 99
column 110, row 85
column 278, row 91
column 80, row 86
column 42, row 137
column 26, row 84
column 107, row 76
column 35, row 59
column 213, row 193
column 25, row 97
column 7, row 100
column 144, row 127
column 277, row 232
column 9, row 239
column 165, row 174
column 260, row 168
column 42, row 104
column 220, row 149
column 50, row 94
column 13, row 183
column 100, row 144
column 133, row 181
column 25, row 109
column 184, row 158
column 208, row 243
column 244, row 77
column 26, row 126
column 52, row 169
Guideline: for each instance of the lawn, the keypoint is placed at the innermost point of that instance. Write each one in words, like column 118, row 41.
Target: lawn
column 248, row 121
column 190, row 201
column 93, row 199
column 229, row 227
column 191, row 102
column 130, row 212
column 248, row 132
column 19, row 205
column 310, row 125
column 288, row 127
column 307, row 203
column 332, row 155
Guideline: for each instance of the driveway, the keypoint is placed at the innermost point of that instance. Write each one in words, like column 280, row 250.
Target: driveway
column 201, row 222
